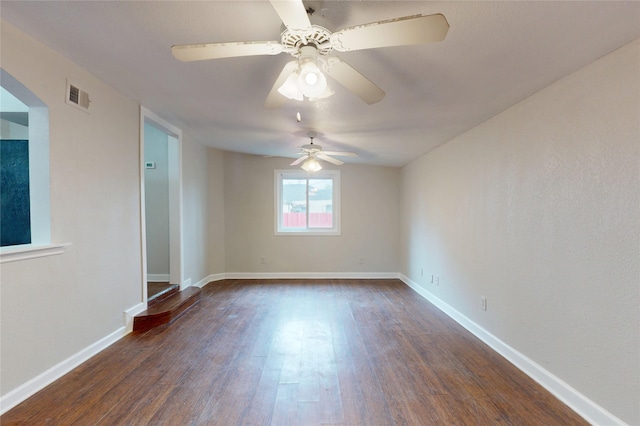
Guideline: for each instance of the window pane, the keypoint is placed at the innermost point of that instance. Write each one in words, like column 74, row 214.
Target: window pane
column 294, row 204
column 307, row 204
column 320, row 203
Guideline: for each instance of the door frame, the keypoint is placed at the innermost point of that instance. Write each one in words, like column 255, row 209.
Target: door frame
column 175, row 196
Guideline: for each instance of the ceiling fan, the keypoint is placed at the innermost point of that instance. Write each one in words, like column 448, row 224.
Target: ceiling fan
column 311, row 45
column 312, row 152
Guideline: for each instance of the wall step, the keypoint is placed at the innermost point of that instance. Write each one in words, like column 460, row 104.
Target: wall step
column 166, row 310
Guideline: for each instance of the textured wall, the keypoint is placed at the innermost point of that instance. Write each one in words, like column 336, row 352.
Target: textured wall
column 53, row 307
column 538, row 210
column 369, row 200
column 195, row 214
column 9, row 130
column 216, row 220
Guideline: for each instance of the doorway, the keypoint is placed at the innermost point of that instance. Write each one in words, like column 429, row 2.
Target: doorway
column 161, row 206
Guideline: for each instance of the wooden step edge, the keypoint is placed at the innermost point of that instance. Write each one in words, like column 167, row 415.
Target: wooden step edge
column 166, row 311
column 170, row 291
column 172, row 301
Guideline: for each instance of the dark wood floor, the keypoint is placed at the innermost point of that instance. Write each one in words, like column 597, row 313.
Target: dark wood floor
column 356, row 352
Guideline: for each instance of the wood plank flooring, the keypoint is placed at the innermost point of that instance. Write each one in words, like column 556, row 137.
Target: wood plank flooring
column 298, row 352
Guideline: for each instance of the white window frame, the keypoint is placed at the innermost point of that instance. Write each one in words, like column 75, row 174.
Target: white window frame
column 279, row 175
column 39, row 188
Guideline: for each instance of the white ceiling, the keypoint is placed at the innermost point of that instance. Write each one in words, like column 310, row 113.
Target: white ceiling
column 495, row 54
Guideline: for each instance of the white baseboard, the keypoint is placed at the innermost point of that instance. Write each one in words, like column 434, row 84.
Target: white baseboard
column 132, row 312
column 158, row 278
column 185, row 284
column 24, row 391
column 309, row 275
column 210, row 278
column 294, row 275
column 579, row 403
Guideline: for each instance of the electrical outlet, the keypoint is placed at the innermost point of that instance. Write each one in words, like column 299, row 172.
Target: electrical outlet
column 483, row 303
column 263, row 260
column 361, row 260
column 437, row 280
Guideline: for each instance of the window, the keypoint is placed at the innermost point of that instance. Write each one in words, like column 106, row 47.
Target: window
column 307, row 204
column 24, row 192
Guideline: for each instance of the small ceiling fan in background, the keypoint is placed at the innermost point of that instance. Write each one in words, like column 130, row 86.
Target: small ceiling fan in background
column 311, row 45
column 311, row 153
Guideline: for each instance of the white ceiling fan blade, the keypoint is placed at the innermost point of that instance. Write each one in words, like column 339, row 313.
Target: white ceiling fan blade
column 409, row 30
column 340, row 153
column 199, row 52
column 352, row 80
column 275, row 99
column 293, row 14
column 330, row 159
column 299, row 160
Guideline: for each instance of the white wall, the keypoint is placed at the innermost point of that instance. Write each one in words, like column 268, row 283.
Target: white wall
column 369, row 221
column 195, row 214
column 53, row 307
column 156, row 192
column 10, row 130
column 216, row 223
column 538, row 210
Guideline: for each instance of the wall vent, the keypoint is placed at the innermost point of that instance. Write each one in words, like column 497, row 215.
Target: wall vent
column 77, row 97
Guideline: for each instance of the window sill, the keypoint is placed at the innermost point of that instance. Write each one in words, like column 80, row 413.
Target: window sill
column 308, row 234
column 28, row 251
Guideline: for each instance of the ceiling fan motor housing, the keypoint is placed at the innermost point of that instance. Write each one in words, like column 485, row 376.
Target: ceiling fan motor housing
column 317, row 36
column 311, row 148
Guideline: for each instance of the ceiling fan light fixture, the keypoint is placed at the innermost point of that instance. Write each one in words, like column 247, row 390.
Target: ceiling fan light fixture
column 290, row 88
column 311, row 78
column 311, row 81
column 311, row 165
